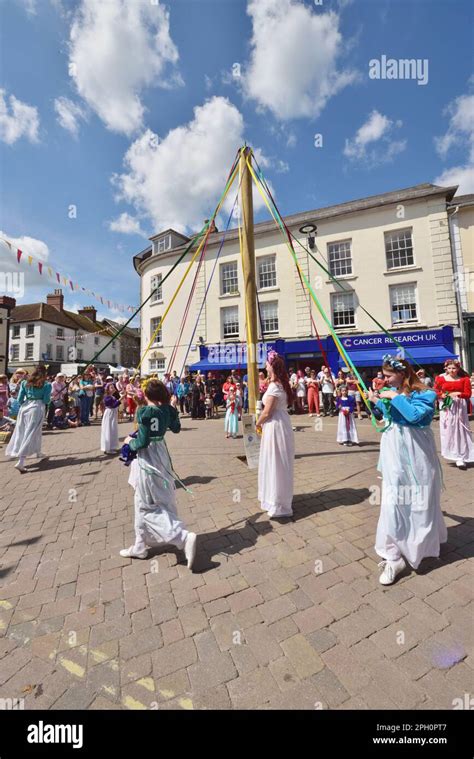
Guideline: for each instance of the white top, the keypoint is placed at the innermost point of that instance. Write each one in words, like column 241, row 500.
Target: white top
column 275, row 390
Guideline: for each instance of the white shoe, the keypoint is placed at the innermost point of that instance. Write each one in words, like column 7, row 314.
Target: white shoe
column 129, row 553
column 461, row 464
column 190, row 548
column 40, row 456
column 20, row 467
column 391, row 570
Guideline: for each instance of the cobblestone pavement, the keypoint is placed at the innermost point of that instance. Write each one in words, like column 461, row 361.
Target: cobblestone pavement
column 276, row 615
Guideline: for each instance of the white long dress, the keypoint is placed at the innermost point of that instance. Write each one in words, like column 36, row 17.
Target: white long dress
column 109, row 433
column 346, row 429
column 156, row 518
column 277, row 454
column 27, row 435
column 411, row 523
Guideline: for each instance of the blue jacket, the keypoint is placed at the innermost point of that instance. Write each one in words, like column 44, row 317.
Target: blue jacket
column 414, row 410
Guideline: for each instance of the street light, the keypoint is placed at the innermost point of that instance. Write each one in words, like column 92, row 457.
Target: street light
column 311, row 231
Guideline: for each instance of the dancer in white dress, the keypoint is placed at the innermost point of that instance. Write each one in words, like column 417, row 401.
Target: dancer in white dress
column 33, row 397
column 109, row 433
column 277, row 449
column 411, row 526
column 156, row 519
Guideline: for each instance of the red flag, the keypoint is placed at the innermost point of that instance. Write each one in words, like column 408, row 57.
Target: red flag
column 40, row 267
column 19, row 254
column 58, row 277
column 72, row 286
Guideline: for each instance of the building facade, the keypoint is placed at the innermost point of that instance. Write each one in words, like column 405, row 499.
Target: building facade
column 391, row 255
column 461, row 220
column 6, row 306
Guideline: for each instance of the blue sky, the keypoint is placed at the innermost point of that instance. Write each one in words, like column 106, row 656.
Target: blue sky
column 132, row 111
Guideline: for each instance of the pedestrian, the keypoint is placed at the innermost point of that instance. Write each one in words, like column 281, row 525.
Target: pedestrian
column 421, row 374
column 153, row 479
column 300, row 392
column 33, row 397
column 277, row 447
column 58, row 398
column 312, row 385
column 86, row 397
column 182, row 392
column 411, row 525
column 328, row 384
column 4, row 393
column 15, row 382
column 454, row 389
column 346, row 428
column 109, row 434
column 99, row 392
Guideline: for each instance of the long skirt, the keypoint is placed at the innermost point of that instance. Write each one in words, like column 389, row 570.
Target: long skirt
column 26, row 439
column 275, row 468
column 346, row 429
column 455, row 432
column 411, row 523
column 109, row 434
column 156, row 519
column 231, row 424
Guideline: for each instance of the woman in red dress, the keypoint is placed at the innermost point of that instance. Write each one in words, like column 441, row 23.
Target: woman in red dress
column 453, row 388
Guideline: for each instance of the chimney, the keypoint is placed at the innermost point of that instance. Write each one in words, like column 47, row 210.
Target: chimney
column 212, row 227
column 56, row 300
column 88, row 311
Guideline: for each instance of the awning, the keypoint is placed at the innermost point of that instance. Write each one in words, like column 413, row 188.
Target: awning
column 211, row 366
column 437, row 354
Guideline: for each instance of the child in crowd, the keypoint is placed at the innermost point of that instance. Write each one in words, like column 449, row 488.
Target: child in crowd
column 346, row 428
column 4, row 393
column 153, row 479
column 209, row 404
column 231, row 424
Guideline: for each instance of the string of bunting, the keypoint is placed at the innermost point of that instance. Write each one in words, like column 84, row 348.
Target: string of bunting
column 62, row 280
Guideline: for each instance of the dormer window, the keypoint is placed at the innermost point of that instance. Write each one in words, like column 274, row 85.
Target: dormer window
column 163, row 243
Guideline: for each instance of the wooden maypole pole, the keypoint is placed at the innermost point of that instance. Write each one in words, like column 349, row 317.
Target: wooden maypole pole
column 250, row 288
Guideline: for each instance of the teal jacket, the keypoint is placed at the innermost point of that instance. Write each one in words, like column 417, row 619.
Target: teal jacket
column 153, row 422
column 34, row 393
column 414, row 410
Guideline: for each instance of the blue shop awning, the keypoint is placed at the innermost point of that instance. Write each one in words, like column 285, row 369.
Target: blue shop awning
column 436, row 354
column 212, row 366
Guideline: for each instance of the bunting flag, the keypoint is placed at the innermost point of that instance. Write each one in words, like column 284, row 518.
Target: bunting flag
column 60, row 278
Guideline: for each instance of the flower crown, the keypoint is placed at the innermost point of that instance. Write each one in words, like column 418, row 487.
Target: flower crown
column 271, row 356
column 393, row 362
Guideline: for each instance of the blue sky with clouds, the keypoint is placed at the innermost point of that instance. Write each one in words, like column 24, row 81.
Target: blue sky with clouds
column 132, row 111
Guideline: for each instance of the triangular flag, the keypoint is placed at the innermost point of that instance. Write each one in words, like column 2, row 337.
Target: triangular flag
column 72, row 286
column 65, row 281
column 40, row 267
column 8, row 243
column 50, row 272
column 58, row 277
column 19, row 254
column 30, row 260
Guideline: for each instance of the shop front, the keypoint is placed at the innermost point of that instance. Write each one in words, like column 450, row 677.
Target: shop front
column 428, row 348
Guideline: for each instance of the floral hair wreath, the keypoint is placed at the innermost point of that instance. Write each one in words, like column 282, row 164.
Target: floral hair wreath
column 393, row 362
column 272, row 355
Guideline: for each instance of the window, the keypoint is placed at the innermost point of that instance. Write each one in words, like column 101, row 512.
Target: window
column 159, row 335
column 399, row 249
column 343, row 310
column 164, row 243
column 113, row 344
column 229, row 278
column 403, row 300
column 340, row 258
column 80, row 354
column 30, row 330
column 155, row 284
column 114, row 358
column 16, row 330
column 60, row 333
column 266, row 268
column 157, row 365
column 15, row 352
column 96, row 341
column 49, row 351
column 29, row 351
column 269, row 316
column 230, row 321
column 59, row 353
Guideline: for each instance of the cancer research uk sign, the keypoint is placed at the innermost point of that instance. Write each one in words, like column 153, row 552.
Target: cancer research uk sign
column 420, row 339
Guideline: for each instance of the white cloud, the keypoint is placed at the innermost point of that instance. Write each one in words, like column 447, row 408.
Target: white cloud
column 293, row 68
column 458, row 175
column 126, row 224
column 460, row 134
column 29, row 6
column 19, row 280
column 117, row 49
column 17, row 120
column 69, row 114
column 177, row 181
column 377, row 129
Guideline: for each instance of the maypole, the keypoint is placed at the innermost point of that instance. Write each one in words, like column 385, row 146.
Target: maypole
column 248, row 265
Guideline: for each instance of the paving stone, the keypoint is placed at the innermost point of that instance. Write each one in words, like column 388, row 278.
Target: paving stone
column 302, row 655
